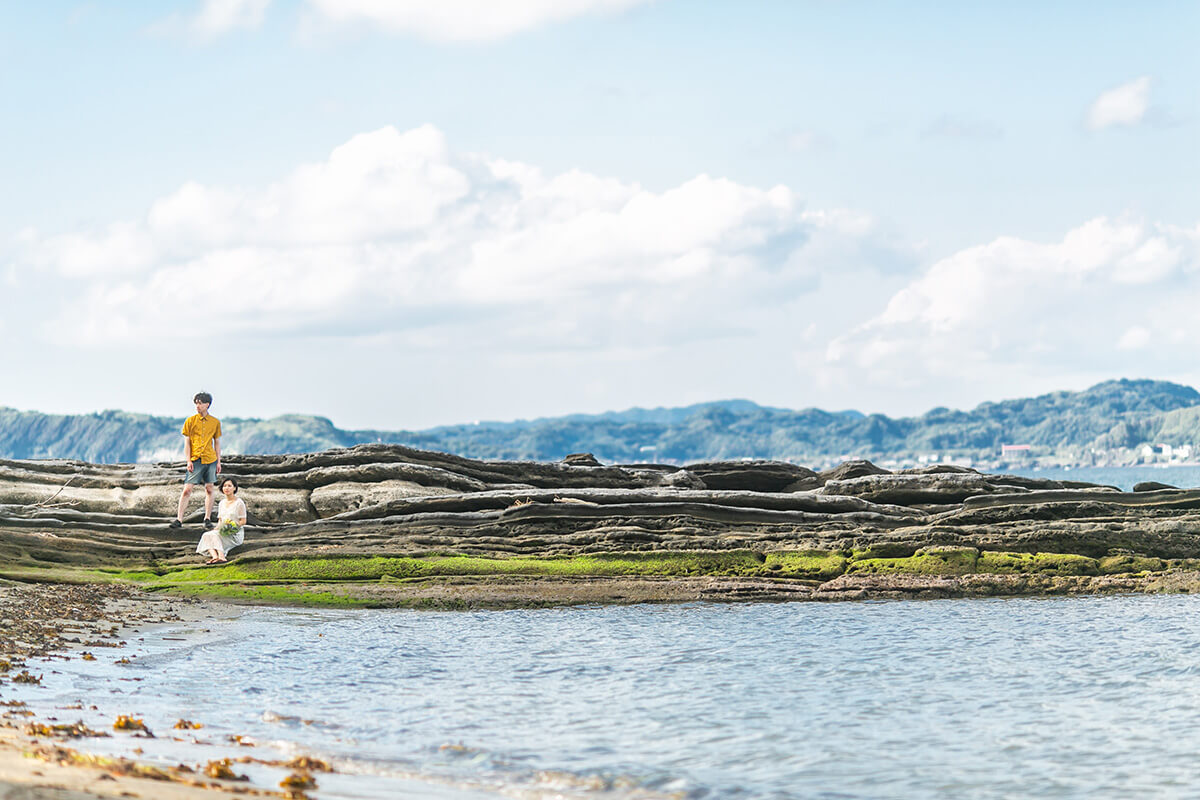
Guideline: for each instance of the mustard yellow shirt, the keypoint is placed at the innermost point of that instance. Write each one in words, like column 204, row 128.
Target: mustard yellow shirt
column 201, row 431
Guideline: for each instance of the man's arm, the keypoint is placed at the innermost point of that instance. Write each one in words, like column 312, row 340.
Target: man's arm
column 187, row 451
column 217, row 448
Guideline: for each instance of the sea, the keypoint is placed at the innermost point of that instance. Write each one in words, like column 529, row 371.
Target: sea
column 1081, row 697
column 1056, row 697
column 1179, row 476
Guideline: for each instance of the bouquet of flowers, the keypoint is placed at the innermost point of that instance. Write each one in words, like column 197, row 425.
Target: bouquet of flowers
column 228, row 528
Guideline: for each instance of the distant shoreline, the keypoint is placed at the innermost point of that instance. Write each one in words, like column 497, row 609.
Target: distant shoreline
column 1123, row 422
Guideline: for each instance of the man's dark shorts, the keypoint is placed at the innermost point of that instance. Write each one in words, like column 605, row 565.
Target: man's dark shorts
column 201, row 473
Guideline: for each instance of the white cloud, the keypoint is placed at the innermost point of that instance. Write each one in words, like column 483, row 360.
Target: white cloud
column 398, row 243
column 804, row 141
column 463, row 20
column 122, row 247
column 395, row 232
column 220, row 16
column 1122, row 105
column 1000, row 314
column 950, row 127
column 214, row 18
column 1134, row 338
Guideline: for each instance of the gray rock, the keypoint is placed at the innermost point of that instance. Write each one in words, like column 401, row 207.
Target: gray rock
column 936, row 468
column 1152, row 486
column 926, row 488
column 682, row 479
column 852, row 469
column 377, row 499
column 750, row 475
column 582, row 460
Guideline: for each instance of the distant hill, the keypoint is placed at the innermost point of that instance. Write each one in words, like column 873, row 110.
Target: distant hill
column 1111, row 416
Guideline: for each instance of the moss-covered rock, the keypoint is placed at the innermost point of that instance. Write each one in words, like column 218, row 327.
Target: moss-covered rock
column 1118, row 564
column 1038, row 563
column 1065, row 564
column 719, row 563
column 882, row 550
column 1002, row 563
column 927, row 561
column 811, row 564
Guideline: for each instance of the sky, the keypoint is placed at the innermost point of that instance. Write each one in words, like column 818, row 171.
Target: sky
column 405, row 213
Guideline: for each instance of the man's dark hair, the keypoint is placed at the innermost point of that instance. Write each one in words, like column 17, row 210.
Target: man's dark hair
column 202, row 397
column 228, row 480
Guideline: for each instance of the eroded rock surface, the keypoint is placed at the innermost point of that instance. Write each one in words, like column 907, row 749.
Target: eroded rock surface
column 392, row 500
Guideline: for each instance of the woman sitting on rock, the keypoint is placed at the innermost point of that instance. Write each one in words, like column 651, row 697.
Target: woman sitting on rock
column 231, row 524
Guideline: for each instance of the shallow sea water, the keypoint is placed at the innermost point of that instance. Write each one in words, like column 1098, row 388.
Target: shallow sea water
column 1183, row 477
column 1000, row 698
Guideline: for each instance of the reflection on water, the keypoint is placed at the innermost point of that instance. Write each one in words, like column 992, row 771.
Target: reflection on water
column 1063, row 697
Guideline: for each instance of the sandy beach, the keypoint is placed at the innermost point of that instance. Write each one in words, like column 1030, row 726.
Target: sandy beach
column 29, row 771
column 49, row 757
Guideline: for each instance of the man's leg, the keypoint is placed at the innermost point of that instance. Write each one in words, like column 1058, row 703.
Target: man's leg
column 183, row 501
column 209, row 489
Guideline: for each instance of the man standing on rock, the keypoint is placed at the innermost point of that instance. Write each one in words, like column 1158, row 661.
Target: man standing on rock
column 202, row 451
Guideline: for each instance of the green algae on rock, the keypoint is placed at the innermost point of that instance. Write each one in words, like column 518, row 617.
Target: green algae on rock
column 464, row 581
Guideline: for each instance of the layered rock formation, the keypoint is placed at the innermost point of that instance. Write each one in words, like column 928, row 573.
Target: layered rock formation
column 396, row 501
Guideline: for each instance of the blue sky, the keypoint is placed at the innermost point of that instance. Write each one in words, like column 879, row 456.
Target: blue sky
column 400, row 214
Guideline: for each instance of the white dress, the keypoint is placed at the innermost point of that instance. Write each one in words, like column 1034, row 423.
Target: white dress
column 224, row 542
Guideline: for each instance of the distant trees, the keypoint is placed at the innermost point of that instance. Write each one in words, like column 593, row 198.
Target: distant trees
column 1115, row 416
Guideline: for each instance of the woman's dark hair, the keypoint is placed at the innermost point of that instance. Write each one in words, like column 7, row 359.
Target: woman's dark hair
column 202, row 397
column 229, row 480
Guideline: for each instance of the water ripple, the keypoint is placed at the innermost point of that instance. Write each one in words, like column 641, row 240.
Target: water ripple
column 1058, row 697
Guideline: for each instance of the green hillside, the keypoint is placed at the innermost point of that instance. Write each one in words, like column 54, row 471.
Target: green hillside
column 1115, row 416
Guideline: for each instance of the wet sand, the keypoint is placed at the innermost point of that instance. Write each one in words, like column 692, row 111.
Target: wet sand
column 28, row 771
column 44, row 759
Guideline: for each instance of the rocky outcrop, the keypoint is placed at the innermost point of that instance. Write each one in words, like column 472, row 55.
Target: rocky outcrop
column 392, row 500
column 753, row 476
column 1152, row 486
